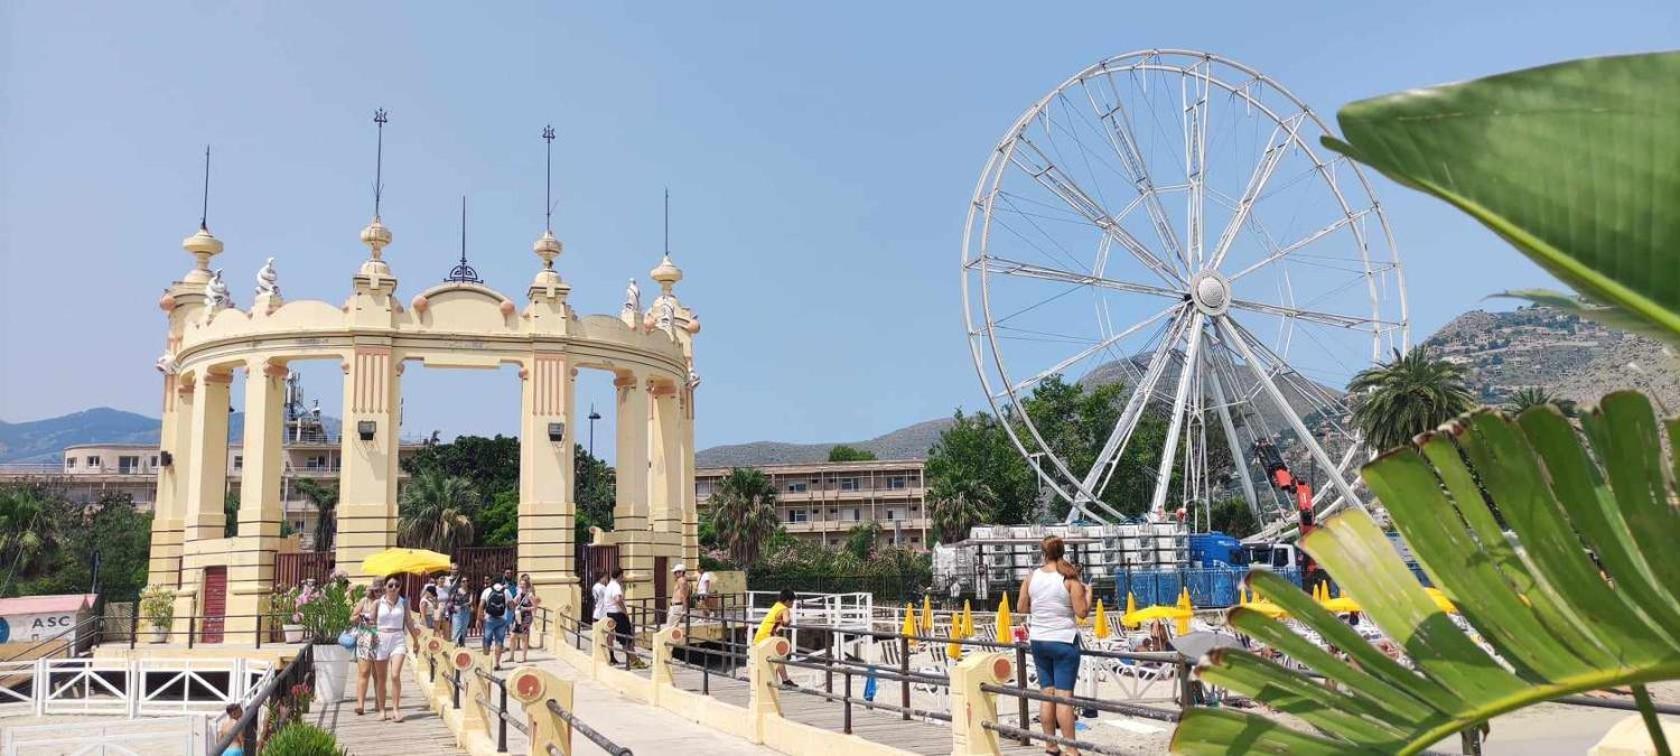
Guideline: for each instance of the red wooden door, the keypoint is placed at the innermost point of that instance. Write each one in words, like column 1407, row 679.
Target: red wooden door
column 215, row 604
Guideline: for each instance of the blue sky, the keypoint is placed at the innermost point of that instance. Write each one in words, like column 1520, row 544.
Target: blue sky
column 820, row 160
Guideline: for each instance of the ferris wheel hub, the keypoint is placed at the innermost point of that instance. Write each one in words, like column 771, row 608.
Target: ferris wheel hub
column 1210, row 292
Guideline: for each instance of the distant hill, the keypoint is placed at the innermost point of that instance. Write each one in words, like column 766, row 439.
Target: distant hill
column 44, row 440
column 910, row 442
column 1572, row 357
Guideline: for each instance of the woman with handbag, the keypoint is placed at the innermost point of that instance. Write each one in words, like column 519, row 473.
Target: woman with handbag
column 392, row 625
column 1053, row 595
column 367, row 641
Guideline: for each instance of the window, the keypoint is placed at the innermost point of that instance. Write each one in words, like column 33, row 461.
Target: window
column 238, row 461
column 128, row 465
column 857, row 514
column 892, row 514
column 154, row 460
column 896, row 483
column 69, row 463
column 798, row 515
column 93, row 462
column 796, row 487
column 316, row 462
column 848, row 484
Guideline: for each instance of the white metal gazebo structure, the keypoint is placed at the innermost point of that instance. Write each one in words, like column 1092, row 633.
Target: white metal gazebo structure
column 1165, row 220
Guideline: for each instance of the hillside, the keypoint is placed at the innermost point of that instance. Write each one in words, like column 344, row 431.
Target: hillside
column 1574, row 358
column 911, row 442
column 44, row 440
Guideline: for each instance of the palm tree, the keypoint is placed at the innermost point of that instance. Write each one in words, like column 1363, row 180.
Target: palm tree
column 1535, row 396
column 435, row 511
column 954, row 506
column 1409, row 395
column 27, row 531
column 325, row 499
column 743, row 512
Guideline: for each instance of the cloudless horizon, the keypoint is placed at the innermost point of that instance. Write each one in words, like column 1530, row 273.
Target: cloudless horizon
column 820, row 161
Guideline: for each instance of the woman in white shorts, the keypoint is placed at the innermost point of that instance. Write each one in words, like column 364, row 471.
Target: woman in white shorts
column 390, row 618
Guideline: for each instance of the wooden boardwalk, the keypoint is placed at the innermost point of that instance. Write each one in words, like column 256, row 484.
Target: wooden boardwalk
column 421, row 733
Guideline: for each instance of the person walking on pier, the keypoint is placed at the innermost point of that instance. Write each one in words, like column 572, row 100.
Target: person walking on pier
column 620, row 615
column 599, row 593
column 679, row 597
column 496, row 604
column 1054, row 596
column 524, row 614
column 459, row 610
column 391, row 622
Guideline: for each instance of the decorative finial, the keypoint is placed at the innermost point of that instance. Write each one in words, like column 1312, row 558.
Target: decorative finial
column 380, row 117
column 667, row 222
column 463, row 273
column 202, row 245
column 268, row 280
column 633, row 300
column 216, row 296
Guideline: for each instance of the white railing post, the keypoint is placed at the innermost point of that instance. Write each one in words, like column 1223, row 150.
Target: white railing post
column 42, row 686
column 136, row 678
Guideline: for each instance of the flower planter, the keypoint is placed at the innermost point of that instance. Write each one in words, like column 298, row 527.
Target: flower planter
column 160, row 634
column 293, row 633
column 332, row 671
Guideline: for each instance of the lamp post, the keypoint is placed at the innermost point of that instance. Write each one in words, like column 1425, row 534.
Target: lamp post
column 593, row 416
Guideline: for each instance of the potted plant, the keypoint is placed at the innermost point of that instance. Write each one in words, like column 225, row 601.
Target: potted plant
column 283, row 613
column 325, row 615
column 157, row 605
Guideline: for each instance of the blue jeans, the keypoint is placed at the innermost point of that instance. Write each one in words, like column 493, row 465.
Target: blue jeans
column 458, row 626
column 495, row 631
column 1057, row 663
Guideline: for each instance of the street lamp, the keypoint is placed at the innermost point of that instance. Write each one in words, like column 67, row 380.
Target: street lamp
column 593, row 416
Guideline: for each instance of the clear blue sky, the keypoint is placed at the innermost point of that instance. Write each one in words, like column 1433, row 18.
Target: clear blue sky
column 820, row 158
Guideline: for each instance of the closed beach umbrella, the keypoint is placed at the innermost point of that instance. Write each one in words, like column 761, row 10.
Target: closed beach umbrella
column 1131, row 609
column 1005, row 633
column 909, row 628
column 1101, row 630
column 927, row 615
column 967, row 620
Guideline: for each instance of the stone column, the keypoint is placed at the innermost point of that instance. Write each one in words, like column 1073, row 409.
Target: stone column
column 204, row 519
column 170, row 504
column 685, row 481
column 665, row 470
column 251, row 558
column 546, row 511
column 630, row 507
column 367, row 482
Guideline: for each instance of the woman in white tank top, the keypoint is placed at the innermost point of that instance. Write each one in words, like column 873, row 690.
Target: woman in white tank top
column 1053, row 596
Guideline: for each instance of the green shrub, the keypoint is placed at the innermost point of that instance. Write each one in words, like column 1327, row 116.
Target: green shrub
column 303, row 739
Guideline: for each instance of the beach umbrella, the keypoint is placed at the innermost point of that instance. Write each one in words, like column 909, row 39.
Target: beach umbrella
column 1102, row 622
column 1005, row 634
column 967, row 620
column 410, row 561
column 1441, row 601
column 909, row 628
column 927, row 615
column 1197, row 645
column 1341, row 605
column 1267, row 608
column 1131, row 608
column 1152, row 614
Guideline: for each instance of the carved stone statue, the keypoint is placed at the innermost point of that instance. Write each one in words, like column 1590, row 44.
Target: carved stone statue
column 633, row 298
column 268, row 281
column 166, row 364
column 667, row 313
column 216, row 295
column 693, row 378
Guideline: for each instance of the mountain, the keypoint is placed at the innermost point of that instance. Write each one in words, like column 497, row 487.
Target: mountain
column 911, row 442
column 1572, row 357
column 44, row 440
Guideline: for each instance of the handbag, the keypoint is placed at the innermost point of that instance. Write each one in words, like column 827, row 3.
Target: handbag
column 347, row 639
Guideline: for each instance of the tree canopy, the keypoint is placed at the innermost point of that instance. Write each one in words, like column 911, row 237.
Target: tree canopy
column 844, row 453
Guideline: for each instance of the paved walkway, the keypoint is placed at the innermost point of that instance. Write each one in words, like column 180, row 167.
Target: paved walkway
column 641, row 728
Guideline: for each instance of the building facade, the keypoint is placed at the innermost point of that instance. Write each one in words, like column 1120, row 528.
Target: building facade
column 823, row 501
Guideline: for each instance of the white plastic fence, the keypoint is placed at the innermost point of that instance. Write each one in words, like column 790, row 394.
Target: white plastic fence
column 141, row 736
column 129, row 688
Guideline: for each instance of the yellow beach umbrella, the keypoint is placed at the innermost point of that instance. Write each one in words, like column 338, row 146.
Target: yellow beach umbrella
column 412, row 561
column 1445, row 604
column 909, row 622
column 1152, row 614
column 1101, row 630
column 1131, row 608
column 967, row 620
column 1267, row 608
column 1005, row 633
column 1187, row 611
column 1341, row 605
column 927, row 615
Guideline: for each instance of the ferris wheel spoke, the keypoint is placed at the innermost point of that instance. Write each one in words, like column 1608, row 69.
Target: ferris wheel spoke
column 1175, row 423
column 1236, row 339
column 1275, row 150
column 1083, row 354
column 1125, row 144
column 1007, row 267
column 1238, row 456
column 1308, row 239
column 1059, row 183
column 1311, row 316
column 1102, row 466
column 1195, row 158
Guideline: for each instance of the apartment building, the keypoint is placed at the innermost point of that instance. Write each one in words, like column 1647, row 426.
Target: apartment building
column 823, row 501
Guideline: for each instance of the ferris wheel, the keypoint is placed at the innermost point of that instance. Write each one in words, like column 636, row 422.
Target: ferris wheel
column 1164, row 227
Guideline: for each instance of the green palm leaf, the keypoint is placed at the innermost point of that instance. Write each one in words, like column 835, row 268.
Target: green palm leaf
column 1548, row 619
column 1577, row 164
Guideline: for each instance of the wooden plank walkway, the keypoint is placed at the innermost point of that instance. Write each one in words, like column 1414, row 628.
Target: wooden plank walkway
column 421, row 733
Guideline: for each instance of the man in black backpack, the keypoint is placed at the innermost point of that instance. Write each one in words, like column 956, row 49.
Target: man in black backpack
column 496, row 606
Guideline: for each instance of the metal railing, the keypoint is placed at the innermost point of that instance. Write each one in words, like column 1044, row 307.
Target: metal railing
column 504, row 718
column 585, row 730
column 203, row 629
column 280, row 688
